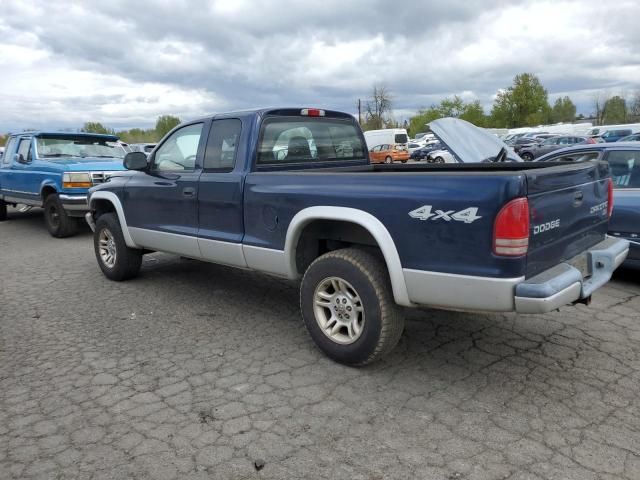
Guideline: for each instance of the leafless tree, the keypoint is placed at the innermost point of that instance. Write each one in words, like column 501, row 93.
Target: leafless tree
column 378, row 107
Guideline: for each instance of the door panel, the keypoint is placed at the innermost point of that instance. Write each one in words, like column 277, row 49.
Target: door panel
column 161, row 205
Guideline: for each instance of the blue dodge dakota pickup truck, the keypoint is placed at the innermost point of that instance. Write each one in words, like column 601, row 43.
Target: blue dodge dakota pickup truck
column 54, row 170
column 291, row 192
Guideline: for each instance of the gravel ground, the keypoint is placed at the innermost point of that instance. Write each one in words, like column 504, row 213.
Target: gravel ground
column 197, row 371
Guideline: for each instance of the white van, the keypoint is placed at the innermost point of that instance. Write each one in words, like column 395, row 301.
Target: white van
column 600, row 130
column 396, row 137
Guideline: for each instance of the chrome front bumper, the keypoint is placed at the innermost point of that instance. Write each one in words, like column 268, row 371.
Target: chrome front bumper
column 89, row 218
column 74, row 203
column 565, row 284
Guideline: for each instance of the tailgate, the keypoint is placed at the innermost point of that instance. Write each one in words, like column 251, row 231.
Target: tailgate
column 568, row 213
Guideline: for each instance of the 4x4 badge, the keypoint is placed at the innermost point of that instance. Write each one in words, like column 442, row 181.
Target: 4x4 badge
column 426, row 212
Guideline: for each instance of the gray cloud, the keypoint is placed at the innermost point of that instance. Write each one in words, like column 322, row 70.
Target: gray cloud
column 124, row 63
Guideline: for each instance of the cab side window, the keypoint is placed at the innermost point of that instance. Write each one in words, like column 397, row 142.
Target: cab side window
column 222, row 144
column 8, row 151
column 24, row 148
column 178, row 152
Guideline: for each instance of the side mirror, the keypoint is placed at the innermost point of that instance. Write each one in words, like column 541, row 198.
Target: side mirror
column 18, row 157
column 135, row 161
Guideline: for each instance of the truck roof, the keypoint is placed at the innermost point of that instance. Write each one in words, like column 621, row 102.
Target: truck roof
column 270, row 111
column 45, row 133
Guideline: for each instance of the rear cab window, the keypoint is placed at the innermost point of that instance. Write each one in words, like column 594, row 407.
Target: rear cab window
column 290, row 140
column 576, row 157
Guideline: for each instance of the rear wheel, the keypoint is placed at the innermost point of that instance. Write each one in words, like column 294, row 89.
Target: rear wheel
column 527, row 157
column 388, row 160
column 58, row 223
column 116, row 260
column 348, row 307
column 3, row 211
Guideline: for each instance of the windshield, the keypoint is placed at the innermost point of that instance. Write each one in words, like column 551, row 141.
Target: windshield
column 302, row 140
column 78, row 147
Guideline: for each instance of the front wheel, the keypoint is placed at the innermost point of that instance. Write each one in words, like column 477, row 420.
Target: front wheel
column 527, row 157
column 117, row 261
column 438, row 160
column 58, row 223
column 348, row 307
column 388, row 160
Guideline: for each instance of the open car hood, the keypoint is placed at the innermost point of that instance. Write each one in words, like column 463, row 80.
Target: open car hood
column 471, row 144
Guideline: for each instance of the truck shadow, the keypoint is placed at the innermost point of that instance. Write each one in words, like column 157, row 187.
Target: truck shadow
column 34, row 219
column 442, row 346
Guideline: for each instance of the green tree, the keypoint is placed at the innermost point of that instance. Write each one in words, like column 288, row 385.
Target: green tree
column 418, row 122
column 503, row 110
column 448, row 107
column 165, row 123
column 474, row 113
column 614, row 111
column 524, row 103
column 96, row 127
column 564, row 110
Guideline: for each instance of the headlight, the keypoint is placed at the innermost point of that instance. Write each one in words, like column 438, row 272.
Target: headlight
column 76, row 180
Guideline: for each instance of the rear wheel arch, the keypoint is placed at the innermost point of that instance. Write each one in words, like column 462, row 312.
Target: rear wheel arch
column 366, row 229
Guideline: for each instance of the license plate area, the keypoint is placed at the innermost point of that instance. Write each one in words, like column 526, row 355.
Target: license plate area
column 581, row 262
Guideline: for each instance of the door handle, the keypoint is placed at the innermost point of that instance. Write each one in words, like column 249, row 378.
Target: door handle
column 577, row 198
column 188, row 192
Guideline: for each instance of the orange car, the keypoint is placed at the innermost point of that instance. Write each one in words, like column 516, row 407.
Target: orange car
column 387, row 154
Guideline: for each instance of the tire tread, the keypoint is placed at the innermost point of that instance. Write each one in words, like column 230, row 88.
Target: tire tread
column 374, row 268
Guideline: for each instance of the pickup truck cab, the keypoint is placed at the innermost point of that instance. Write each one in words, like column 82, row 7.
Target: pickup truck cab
column 54, row 170
column 291, row 192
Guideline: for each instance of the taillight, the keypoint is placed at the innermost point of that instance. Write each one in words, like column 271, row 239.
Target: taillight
column 610, row 198
column 511, row 229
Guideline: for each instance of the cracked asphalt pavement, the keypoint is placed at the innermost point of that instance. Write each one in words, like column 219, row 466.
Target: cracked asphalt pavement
column 197, row 371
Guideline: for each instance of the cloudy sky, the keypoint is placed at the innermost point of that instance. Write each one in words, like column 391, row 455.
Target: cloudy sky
column 124, row 63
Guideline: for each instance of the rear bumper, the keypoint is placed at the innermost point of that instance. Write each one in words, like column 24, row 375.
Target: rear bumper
column 564, row 283
column 561, row 285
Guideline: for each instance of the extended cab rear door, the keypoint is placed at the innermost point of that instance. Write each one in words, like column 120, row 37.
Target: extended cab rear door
column 220, row 209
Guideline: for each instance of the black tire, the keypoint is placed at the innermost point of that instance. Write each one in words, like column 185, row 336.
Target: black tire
column 388, row 160
column 404, row 161
column 3, row 211
column 58, row 223
column 526, row 156
column 382, row 320
column 439, row 160
column 127, row 260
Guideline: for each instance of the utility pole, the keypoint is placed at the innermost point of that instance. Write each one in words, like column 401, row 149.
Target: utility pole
column 359, row 112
